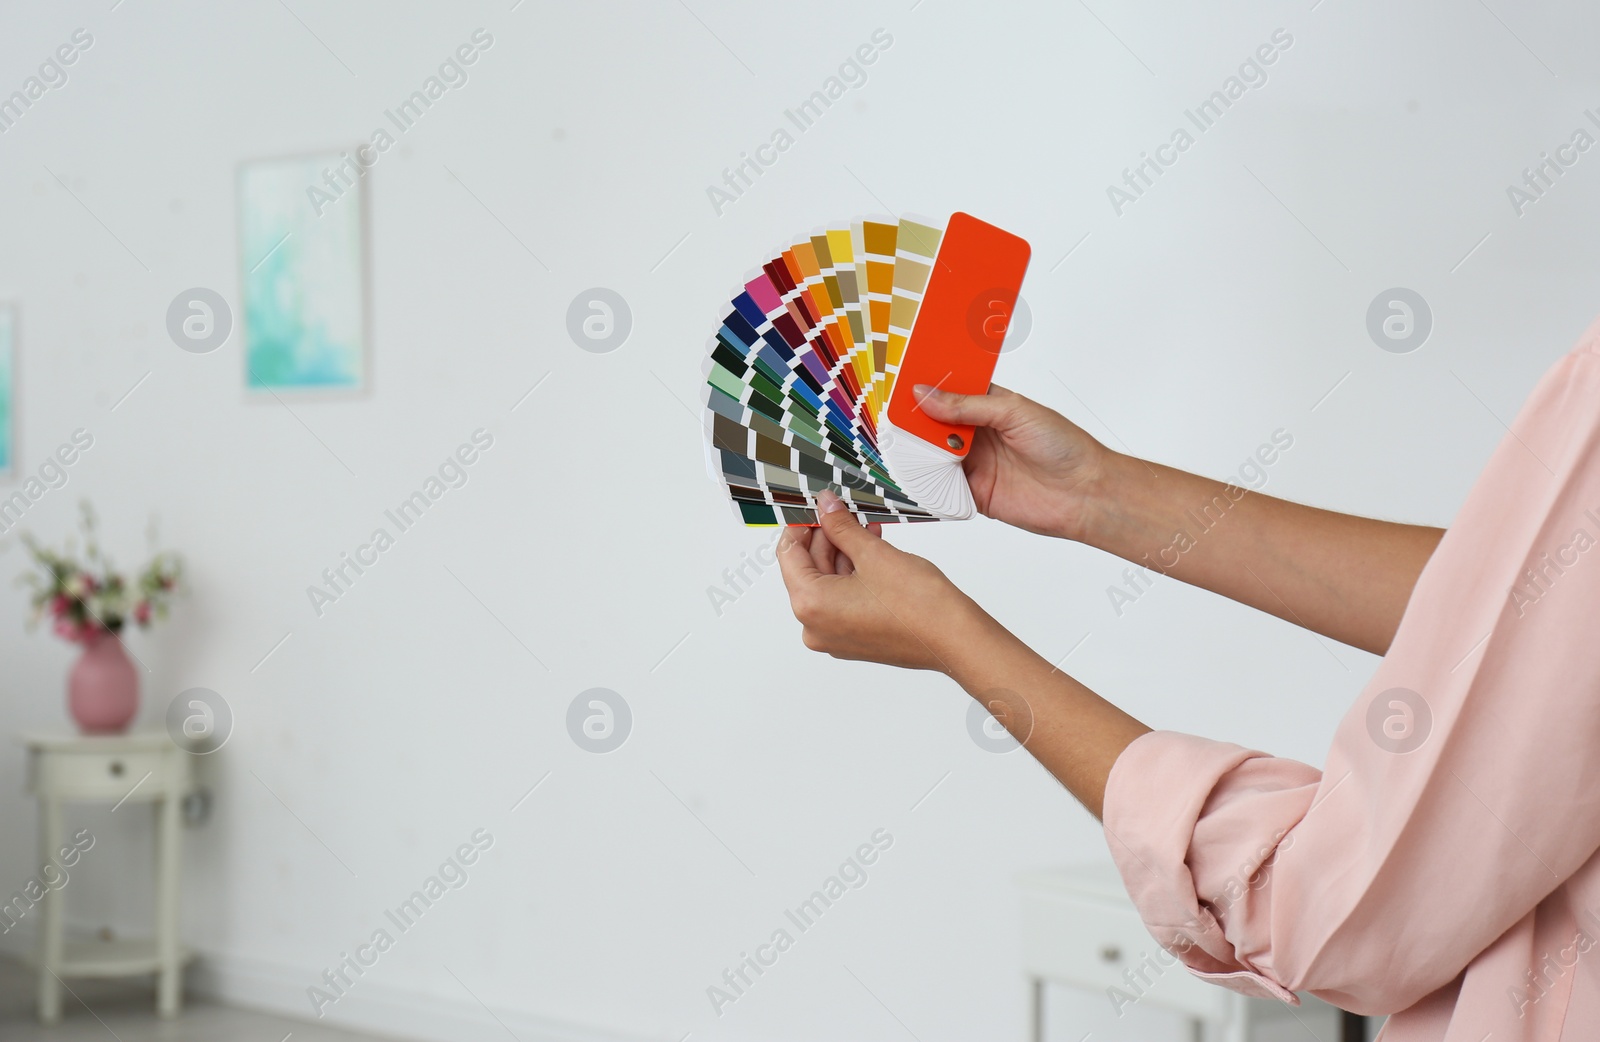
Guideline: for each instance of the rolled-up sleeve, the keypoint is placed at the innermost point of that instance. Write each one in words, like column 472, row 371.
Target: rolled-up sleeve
column 1461, row 788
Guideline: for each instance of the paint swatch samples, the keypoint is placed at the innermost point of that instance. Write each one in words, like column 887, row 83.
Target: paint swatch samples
column 810, row 375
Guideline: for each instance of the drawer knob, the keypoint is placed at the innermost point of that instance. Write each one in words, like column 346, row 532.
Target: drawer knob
column 116, row 768
column 1110, row 953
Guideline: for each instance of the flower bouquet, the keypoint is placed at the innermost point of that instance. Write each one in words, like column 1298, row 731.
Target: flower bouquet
column 89, row 602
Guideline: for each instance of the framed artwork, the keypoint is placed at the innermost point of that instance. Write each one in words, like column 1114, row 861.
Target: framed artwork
column 302, row 256
column 8, row 390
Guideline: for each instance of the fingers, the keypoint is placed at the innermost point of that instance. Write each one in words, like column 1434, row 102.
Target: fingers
column 833, row 548
column 794, row 557
column 842, row 530
column 999, row 408
column 823, row 553
column 842, row 565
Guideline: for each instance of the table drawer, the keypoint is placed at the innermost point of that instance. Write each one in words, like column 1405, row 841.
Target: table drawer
column 1097, row 945
column 106, row 775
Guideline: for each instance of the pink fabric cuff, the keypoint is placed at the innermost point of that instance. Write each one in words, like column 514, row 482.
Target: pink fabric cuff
column 1154, row 798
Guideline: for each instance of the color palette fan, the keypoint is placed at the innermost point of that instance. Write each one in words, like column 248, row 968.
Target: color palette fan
column 810, row 376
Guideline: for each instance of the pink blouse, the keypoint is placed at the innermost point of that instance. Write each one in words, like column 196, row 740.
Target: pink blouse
column 1442, row 869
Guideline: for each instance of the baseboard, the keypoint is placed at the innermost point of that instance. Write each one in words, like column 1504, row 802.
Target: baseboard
column 378, row 1008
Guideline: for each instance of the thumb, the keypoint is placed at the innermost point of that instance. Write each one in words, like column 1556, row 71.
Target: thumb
column 996, row 409
column 843, row 530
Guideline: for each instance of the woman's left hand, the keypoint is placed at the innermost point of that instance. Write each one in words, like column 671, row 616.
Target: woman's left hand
column 857, row 597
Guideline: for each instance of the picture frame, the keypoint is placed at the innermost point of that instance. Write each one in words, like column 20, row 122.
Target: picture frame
column 304, row 314
column 8, row 389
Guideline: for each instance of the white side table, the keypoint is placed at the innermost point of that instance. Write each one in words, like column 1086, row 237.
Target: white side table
column 123, row 770
column 1080, row 928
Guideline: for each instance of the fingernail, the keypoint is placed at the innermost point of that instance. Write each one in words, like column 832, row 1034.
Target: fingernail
column 922, row 390
column 830, row 502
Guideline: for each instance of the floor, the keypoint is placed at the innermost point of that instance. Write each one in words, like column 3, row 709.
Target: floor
column 124, row 1011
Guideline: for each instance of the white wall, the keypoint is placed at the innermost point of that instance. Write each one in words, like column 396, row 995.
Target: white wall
column 1203, row 318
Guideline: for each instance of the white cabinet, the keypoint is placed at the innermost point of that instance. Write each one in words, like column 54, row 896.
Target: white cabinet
column 1080, row 929
column 130, row 771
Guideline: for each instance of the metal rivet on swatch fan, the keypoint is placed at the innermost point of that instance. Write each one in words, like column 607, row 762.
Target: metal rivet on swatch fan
column 954, row 441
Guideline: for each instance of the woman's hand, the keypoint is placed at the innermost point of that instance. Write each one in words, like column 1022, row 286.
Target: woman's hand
column 1029, row 466
column 857, row 597
column 860, row 598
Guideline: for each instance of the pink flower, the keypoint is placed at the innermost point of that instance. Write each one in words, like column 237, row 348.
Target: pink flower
column 59, row 604
column 66, row 629
column 141, row 613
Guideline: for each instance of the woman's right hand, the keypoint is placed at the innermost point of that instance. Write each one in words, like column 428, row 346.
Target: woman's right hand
column 1029, row 466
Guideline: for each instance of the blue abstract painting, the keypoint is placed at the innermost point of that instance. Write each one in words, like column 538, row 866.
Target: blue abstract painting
column 303, row 261
column 8, row 353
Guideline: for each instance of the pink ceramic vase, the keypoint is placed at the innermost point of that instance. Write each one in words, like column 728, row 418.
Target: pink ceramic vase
column 103, row 687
